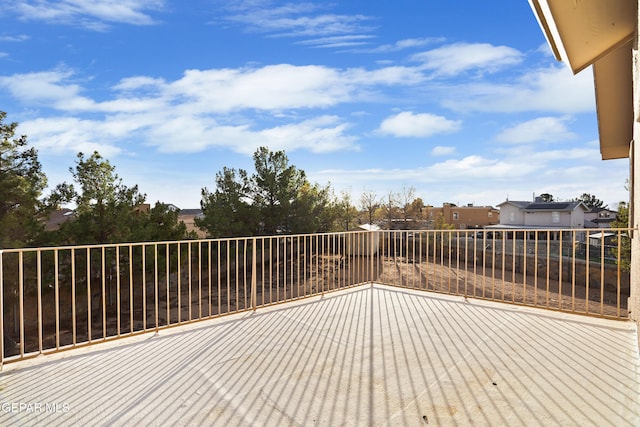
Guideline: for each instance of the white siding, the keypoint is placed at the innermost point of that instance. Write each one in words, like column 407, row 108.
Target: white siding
column 577, row 218
column 511, row 215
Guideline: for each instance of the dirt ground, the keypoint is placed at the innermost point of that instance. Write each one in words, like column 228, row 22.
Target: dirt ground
column 190, row 298
column 507, row 286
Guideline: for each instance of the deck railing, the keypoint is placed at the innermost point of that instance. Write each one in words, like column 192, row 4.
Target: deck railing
column 58, row 298
column 555, row 269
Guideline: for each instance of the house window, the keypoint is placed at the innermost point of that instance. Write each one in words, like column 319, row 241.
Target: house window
column 455, row 216
column 555, row 217
column 512, row 216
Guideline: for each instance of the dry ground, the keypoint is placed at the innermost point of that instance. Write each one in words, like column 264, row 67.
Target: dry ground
column 296, row 280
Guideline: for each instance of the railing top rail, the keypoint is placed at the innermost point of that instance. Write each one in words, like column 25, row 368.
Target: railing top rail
column 175, row 242
column 290, row 236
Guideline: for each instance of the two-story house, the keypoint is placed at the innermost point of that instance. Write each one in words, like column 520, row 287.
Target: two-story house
column 599, row 218
column 538, row 214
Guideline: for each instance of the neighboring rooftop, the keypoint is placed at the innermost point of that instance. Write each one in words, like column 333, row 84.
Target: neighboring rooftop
column 545, row 206
column 370, row 355
column 194, row 212
column 57, row 218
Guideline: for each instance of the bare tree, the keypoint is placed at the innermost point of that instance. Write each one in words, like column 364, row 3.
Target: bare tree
column 346, row 211
column 369, row 204
column 390, row 207
column 406, row 196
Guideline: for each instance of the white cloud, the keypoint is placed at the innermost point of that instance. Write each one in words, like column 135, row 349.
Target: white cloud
column 452, row 170
column 54, row 89
column 411, row 43
column 139, row 82
column 553, row 89
column 63, row 134
column 440, row 150
column 542, row 129
column 295, row 19
column 91, row 14
column 408, row 124
column 512, row 176
column 47, row 87
column 238, row 108
column 269, row 88
column 401, row 45
column 319, row 135
column 172, row 132
column 357, row 78
column 545, row 49
column 457, row 58
column 474, row 167
column 19, row 38
column 338, row 41
column 547, row 156
column 205, row 108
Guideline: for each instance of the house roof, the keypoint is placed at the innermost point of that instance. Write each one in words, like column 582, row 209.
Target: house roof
column 57, row 218
column 185, row 212
column 519, row 204
column 598, row 33
column 552, row 206
column 546, row 206
column 598, row 210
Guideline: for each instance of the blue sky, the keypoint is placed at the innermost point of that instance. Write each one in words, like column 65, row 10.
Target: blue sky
column 460, row 100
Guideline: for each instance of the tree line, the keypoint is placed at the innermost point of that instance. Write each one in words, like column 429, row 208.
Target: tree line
column 275, row 198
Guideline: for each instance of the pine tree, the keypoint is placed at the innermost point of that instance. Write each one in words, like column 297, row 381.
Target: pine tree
column 21, row 184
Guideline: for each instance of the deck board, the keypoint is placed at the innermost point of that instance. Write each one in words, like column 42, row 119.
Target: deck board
column 372, row 355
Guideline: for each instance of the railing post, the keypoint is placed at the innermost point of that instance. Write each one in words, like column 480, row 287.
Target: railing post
column 371, row 248
column 1, row 311
column 254, row 273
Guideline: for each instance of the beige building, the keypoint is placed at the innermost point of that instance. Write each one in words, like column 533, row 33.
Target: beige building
column 188, row 217
column 462, row 217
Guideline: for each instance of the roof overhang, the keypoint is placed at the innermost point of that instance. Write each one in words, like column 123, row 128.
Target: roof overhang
column 613, row 81
column 598, row 33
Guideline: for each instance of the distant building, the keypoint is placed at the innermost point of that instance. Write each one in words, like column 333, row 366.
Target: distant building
column 144, row 207
column 602, row 238
column 540, row 214
column 57, row 218
column 600, row 218
column 188, row 216
column 525, row 215
column 462, row 217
